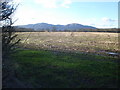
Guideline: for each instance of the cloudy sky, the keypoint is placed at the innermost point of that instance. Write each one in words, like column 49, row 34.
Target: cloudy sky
column 96, row 13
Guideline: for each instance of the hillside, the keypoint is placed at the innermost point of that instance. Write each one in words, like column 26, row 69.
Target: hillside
column 51, row 27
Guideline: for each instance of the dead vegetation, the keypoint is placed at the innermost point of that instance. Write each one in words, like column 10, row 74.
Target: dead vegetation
column 93, row 42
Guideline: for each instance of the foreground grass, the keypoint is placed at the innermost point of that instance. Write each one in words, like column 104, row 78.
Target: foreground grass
column 49, row 69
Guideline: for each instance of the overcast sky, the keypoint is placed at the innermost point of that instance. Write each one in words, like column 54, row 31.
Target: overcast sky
column 90, row 12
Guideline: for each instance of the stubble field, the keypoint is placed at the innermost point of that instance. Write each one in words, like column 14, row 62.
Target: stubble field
column 92, row 42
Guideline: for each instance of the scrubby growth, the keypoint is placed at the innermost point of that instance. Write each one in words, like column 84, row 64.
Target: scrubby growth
column 8, row 37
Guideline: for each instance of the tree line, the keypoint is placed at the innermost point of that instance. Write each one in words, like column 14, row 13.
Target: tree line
column 112, row 30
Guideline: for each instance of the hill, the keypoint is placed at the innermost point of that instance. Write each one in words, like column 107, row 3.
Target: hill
column 51, row 27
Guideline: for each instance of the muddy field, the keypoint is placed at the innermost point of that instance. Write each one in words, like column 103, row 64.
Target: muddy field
column 94, row 42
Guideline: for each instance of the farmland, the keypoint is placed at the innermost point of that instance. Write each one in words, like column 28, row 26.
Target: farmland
column 92, row 42
column 67, row 60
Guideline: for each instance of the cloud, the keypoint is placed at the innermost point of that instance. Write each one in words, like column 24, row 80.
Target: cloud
column 54, row 3
column 105, row 19
column 95, row 0
column 26, row 18
column 47, row 3
column 105, row 22
column 102, row 22
column 63, row 3
column 66, row 3
column 103, row 25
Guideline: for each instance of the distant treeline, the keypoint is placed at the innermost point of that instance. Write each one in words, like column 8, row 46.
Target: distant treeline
column 113, row 30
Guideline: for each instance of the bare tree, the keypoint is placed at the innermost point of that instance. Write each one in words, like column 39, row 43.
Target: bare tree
column 8, row 35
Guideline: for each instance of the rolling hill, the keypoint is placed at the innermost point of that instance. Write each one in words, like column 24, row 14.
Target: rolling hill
column 51, row 27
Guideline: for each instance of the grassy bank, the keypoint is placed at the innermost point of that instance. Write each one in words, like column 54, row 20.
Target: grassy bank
column 50, row 69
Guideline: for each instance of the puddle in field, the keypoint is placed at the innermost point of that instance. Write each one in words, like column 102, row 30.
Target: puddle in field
column 112, row 53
